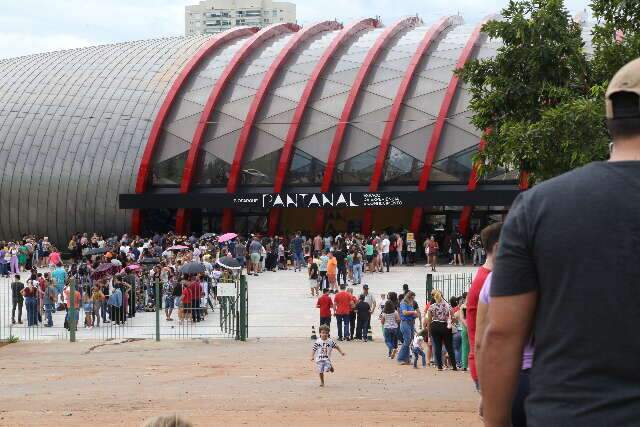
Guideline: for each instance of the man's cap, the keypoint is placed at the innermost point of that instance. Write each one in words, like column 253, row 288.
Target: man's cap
column 365, row 286
column 623, row 93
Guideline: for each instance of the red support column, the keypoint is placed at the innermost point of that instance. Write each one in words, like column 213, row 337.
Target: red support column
column 287, row 151
column 440, row 122
column 373, row 54
column 385, row 142
column 145, row 164
column 247, row 48
column 465, row 216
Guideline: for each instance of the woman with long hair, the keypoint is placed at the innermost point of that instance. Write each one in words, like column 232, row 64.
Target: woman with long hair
column 390, row 320
column 439, row 324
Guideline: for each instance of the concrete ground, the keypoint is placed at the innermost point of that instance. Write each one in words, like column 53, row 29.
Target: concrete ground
column 263, row 382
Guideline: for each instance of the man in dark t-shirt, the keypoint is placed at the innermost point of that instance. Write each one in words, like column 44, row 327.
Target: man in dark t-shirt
column 542, row 285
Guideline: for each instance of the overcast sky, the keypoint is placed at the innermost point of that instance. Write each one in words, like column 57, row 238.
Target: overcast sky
column 31, row 26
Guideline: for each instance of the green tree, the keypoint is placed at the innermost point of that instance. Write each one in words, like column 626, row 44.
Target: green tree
column 536, row 98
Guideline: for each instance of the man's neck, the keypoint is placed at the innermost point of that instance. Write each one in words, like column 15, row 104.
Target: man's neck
column 626, row 150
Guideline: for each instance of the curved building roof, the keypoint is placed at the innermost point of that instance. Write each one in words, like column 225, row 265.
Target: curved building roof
column 322, row 106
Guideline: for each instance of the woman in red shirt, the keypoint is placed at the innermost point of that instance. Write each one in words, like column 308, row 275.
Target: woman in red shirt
column 185, row 302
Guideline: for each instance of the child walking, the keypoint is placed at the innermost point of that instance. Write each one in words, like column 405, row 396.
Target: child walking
column 321, row 352
column 417, row 348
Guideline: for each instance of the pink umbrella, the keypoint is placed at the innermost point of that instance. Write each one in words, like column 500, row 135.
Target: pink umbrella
column 227, row 236
column 133, row 267
column 177, row 248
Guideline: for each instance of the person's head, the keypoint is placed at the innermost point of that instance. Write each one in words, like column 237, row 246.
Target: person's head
column 325, row 291
column 393, row 297
column 389, row 307
column 623, row 103
column 405, row 288
column 17, row 277
column 350, row 290
column 490, row 236
column 361, row 297
column 453, row 301
column 409, row 297
column 59, row 265
column 437, row 296
column 343, row 287
column 324, row 331
column 432, row 238
column 365, row 289
column 383, row 296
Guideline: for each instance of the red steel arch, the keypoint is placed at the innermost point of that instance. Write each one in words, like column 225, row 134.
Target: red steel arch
column 368, row 62
column 440, row 122
column 216, row 93
column 465, row 216
column 300, row 37
column 145, row 164
column 427, row 41
column 287, row 151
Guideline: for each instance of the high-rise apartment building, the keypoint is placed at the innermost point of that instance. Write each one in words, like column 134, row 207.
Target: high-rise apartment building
column 214, row 16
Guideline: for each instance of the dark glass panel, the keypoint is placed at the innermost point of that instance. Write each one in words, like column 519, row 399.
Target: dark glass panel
column 212, row 171
column 169, row 172
column 356, row 170
column 262, row 170
column 305, row 169
column 401, row 168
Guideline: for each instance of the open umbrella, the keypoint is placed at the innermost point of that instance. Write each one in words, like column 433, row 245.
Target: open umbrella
column 150, row 261
column 177, row 248
column 227, row 236
column 193, row 268
column 94, row 251
column 133, row 267
column 230, row 263
column 116, row 262
column 104, row 269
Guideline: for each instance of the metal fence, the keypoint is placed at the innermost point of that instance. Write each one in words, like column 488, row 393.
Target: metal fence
column 449, row 284
column 143, row 314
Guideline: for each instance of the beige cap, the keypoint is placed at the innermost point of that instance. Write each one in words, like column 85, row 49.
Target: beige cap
column 627, row 79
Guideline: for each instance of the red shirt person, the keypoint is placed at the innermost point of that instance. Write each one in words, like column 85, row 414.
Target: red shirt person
column 342, row 306
column 324, row 304
column 489, row 236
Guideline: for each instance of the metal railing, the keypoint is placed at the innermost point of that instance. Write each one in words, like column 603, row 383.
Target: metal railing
column 449, row 284
column 143, row 314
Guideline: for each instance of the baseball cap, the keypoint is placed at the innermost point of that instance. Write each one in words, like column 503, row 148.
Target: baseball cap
column 365, row 286
column 623, row 93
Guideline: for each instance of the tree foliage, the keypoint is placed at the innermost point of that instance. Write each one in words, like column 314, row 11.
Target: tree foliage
column 540, row 99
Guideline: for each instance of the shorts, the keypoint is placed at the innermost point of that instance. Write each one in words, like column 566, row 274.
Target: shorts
column 168, row 302
column 369, row 258
column 176, row 301
column 88, row 308
column 323, row 366
column 255, row 258
column 313, row 283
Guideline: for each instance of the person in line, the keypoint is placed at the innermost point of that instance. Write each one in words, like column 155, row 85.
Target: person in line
column 385, row 245
column 417, row 348
column 115, row 304
column 356, row 265
column 255, row 250
column 541, row 286
column 97, row 298
column 332, row 271
column 298, row 258
column 342, row 306
column 49, row 301
column 312, row 273
column 87, row 306
column 489, row 236
column 363, row 310
column 390, row 320
column 17, row 299
column 518, row 415
column 407, row 319
column 325, row 304
column 29, row 293
column 439, row 325
column 322, row 268
column 321, row 353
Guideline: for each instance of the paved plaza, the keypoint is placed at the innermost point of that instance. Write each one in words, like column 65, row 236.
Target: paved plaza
column 280, row 305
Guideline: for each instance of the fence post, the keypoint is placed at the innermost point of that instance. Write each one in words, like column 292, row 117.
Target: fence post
column 429, row 286
column 157, row 294
column 71, row 322
column 243, row 326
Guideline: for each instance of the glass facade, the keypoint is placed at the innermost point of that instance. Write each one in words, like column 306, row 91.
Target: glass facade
column 401, row 168
column 261, row 171
column 356, row 170
column 212, row 171
column 305, row 169
column 168, row 173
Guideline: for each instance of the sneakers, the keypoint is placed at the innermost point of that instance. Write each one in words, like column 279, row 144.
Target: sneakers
column 394, row 352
